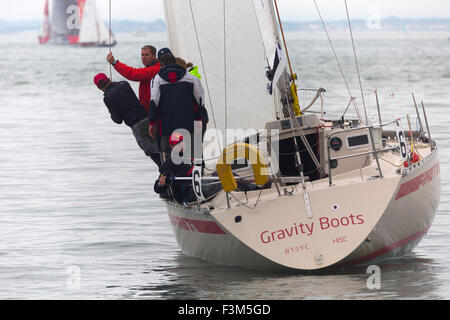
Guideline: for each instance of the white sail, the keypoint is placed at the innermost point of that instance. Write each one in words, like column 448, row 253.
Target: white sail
column 44, row 37
column 93, row 29
column 89, row 28
column 276, row 59
column 223, row 37
column 103, row 32
column 265, row 14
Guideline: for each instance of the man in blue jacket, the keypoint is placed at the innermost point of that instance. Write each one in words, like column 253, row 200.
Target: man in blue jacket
column 177, row 102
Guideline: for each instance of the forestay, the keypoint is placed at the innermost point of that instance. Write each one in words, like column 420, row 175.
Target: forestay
column 233, row 42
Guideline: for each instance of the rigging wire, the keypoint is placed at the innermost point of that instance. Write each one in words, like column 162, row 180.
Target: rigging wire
column 110, row 41
column 225, row 63
column 340, row 66
column 284, row 41
column 295, row 105
column 245, row 204
column 334, row 51
column 204, row 72
column 356, row 61
column 278, row 108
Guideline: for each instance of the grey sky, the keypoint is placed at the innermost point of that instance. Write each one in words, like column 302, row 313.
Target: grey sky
column 290, row 9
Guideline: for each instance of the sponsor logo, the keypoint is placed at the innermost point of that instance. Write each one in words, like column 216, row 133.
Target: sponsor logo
column 308, row 229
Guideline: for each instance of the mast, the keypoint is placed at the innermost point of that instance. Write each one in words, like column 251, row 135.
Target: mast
column 294, row 96
column 277, row 74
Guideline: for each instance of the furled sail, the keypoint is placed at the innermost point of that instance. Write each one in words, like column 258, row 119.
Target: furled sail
column 223, row 37
column 276, row 59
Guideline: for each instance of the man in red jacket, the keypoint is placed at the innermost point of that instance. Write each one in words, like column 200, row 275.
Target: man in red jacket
column 143, row 75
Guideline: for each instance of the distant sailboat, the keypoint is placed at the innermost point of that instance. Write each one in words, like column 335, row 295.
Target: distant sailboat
column 45, row 31
column 74, row 22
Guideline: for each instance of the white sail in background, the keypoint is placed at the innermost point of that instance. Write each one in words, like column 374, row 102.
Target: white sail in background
column 225, row 34
column 92, row 30
column 44, row 37
column 103, row 32
column 89, row 27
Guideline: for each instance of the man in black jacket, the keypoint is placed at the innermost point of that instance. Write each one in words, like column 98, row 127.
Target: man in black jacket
column 124, row 106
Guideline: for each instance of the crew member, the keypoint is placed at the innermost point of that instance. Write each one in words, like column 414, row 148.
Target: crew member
column 177, row 101
column 194, row 71
column 124, row 106
column 167, row 184
column 143, row 75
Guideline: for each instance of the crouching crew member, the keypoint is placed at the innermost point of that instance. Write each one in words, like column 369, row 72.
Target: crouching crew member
column 124, row 106
column 166, row 184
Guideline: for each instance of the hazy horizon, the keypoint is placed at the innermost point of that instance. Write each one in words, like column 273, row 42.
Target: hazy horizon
column 24, row 10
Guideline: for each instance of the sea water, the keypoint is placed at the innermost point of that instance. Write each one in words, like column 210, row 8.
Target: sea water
column 78, row 216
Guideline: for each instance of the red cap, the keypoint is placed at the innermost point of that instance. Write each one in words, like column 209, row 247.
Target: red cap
column 99, row 77
column 175, row 138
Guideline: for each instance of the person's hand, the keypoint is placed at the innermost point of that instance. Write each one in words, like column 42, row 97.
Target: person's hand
column 162, row 181
column 110, row 58
column 152, row 131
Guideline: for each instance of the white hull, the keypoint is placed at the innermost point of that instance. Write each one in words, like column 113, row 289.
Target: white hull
column 200, row 236
column 406, row 219
column 368, row 208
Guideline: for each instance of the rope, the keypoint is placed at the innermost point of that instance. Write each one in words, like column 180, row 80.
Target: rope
column 204, row 71
column 317, row 96
column 284, row 41
column 225, row 63
column 348, row 106
column 357, row 110
column 110, row 41
column 356, row 61
column 391, row 163
column 299, row 130
column 334, row 51
column 244, row 204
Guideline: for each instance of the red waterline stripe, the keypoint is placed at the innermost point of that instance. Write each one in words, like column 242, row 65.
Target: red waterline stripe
column 196, row 225
column 389, row 248
column 419, row 181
